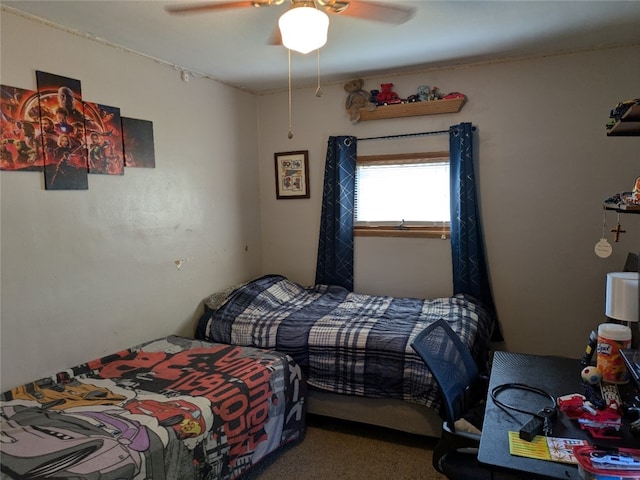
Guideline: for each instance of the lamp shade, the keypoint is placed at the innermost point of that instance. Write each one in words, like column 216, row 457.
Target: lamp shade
column 303, row 28
column 622, row 296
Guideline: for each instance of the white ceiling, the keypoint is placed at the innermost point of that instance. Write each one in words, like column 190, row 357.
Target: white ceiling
column 233, row 45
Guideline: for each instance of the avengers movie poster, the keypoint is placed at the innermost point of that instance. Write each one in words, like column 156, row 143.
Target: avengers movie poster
column 103, row 137
column 138, row 143
column 62, row 123
column 20, row 133
column 51, row 129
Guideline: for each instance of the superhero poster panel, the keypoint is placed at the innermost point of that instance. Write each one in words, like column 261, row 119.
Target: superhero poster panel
column 138, row 143
column 62, row 123
column 103, row 136
column 21, row 138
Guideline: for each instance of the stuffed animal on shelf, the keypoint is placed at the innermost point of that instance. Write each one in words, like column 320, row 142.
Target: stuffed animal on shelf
column 357, row 98
column 452, row 95
column 435, row 94
column 374, row 96
column 387, row 96
column 423, row 92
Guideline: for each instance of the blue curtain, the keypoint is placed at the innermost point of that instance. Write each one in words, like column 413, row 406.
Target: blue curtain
column 335, row 247
column 470, row 274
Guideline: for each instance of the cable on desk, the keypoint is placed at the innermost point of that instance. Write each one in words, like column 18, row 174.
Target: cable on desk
column 520, row 386
column 542, row 420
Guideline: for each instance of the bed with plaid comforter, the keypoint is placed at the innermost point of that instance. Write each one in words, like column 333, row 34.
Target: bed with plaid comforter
column 345, row 342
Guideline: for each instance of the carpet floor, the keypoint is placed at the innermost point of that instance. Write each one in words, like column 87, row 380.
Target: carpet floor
column 342, row 450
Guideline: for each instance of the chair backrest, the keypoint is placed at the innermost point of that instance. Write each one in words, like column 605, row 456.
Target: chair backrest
column 631, row 265
column 450, row 363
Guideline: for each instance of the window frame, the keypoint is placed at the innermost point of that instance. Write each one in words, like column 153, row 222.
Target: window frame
column 403, row 229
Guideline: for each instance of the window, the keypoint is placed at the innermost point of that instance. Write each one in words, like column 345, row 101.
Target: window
column 403, row 195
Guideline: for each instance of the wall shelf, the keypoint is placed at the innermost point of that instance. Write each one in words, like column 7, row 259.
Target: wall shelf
column 628, row 125
column 432, row 107
column 622, row 208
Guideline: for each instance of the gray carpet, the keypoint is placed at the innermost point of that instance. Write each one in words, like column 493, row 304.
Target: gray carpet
column 335, row 449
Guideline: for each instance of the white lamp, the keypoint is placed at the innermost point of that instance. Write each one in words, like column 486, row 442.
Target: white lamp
column 622, row 296
column 303, row 27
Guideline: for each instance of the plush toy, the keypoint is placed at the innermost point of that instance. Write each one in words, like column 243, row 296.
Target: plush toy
column 374, row 96
column 423, row 92
column 591, row 375
column 387, row 95
column 357, row 98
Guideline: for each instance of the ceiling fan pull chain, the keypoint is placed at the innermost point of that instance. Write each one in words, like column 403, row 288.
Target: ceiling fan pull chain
column 318, row 90
column 290, row 134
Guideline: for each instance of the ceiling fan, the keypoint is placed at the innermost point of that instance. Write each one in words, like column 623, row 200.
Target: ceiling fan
column 303, row 27
column 376, row 11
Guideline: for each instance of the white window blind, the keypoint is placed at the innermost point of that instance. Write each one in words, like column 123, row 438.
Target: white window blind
column 416, row 191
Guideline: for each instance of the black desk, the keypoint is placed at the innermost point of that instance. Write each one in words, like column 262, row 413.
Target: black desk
column 557, row 376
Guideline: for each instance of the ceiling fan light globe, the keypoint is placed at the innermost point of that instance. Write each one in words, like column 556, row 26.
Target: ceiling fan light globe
column 304, row 29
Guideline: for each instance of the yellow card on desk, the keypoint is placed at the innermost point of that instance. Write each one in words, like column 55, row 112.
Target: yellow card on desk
column 553, row 449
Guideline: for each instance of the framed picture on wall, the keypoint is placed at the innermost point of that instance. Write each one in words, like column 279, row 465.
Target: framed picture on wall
column 20, row 131
column 103, row 138
column 137, row 139
column 62, row 122
column 292, row 174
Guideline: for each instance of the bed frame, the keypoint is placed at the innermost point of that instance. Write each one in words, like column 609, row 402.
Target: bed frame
column 391, row 413
column 383, row 412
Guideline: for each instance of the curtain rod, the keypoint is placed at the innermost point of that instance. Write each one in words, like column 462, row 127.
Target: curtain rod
column 403, row 135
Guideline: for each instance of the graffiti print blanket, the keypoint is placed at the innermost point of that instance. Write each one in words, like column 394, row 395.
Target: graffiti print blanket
column 173, row 408
column 345, row 342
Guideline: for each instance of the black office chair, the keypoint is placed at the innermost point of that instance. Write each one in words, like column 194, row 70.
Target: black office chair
column 464, row 392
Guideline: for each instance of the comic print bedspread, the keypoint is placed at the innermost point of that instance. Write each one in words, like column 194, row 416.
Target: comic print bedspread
column 172, row 408
column 345, row 342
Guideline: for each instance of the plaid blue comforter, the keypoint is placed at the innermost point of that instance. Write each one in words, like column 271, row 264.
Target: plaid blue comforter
column 345, row 342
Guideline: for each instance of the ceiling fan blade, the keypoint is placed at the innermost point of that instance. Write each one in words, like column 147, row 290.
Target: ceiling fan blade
column 211, row 6
column 379, row 12
column 276, row 37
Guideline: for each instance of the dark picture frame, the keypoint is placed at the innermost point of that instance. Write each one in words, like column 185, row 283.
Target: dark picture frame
column 292, row 174
column 21, row 145
column 137, row 138
column 103, row 138
column 62, row 123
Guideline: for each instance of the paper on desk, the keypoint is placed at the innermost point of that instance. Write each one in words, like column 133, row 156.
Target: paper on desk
column 545, row 448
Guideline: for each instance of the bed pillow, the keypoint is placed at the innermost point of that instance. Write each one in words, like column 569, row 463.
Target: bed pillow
column 216, row 300
column 211, row 304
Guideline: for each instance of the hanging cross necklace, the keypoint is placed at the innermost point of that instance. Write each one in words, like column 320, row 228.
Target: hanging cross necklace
column 618, row 230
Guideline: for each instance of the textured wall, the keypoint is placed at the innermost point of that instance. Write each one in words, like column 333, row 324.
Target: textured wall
column 545, row 165
column 86, row 273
